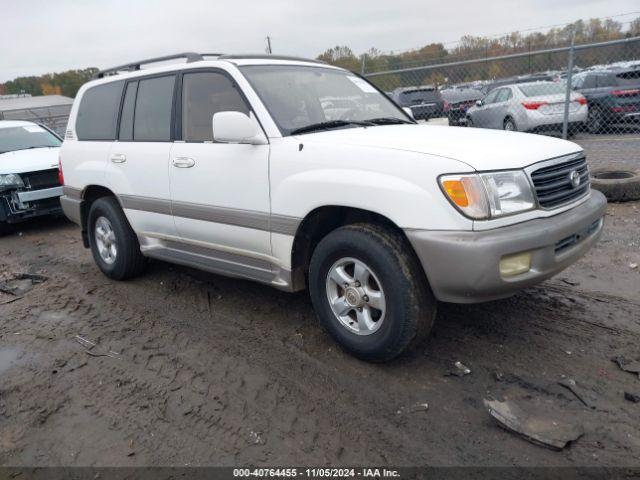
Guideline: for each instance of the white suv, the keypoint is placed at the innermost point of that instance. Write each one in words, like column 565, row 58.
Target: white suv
column 298, row 174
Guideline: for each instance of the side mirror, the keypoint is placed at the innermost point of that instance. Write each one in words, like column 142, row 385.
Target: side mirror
column 479, row 103
column 409, row 112
column 236, row 127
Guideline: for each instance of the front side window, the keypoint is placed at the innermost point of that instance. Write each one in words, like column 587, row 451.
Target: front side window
column 504, row 94
column 203, row 95
column 491, row 97
column 98, row 112
column 152, row 118
column 300, row 97
column 26, row 137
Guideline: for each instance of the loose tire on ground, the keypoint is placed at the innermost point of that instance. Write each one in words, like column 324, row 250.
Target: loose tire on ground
column 618, row 184
column 128, row 262
column 410, row 306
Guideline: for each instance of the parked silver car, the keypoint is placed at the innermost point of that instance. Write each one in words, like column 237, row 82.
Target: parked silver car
column 528, row 107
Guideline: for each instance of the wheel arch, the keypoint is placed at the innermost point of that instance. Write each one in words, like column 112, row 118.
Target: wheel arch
column 321, row 221
column 90, row 194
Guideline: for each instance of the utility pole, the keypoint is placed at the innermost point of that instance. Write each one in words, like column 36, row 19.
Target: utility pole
column 269, row 45
column 567, row 95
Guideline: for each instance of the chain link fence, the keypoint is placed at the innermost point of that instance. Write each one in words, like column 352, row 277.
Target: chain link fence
column 590, row 88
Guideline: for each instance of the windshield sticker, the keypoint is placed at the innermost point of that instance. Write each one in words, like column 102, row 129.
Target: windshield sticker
column 362, row 85
column 33, row 128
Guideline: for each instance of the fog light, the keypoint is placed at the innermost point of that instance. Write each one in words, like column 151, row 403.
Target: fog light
column 515, row 264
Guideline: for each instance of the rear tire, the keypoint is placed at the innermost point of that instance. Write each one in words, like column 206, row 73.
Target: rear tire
column 113, row 243
column 595, row 120
column 391, row 288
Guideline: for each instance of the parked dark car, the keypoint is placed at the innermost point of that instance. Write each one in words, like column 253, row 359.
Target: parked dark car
column 456, row 103
column 425, row 102
column 613, row 97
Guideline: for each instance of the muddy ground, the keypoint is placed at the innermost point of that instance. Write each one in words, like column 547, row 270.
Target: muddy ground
column 196, row 369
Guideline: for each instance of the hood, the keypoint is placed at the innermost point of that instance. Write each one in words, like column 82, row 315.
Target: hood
column 481, row 149
column 21, row 161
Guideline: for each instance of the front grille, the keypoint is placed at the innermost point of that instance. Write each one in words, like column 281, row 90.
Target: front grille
column 553, row 185
column 41, row 179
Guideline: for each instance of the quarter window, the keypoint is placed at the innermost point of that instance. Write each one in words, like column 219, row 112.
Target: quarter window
column 98, row 112
column 126, row 119
column 152, row 119
column 203, row 95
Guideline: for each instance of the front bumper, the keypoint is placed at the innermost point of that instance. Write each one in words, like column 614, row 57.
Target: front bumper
column 463, row 267
column 20, row 205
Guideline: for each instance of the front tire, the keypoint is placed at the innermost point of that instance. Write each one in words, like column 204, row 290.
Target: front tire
column 5, row 228
column 370, row 293
column 509, row 125
column 113, row 243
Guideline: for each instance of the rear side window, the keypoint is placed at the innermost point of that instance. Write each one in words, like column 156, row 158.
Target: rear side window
column 203, row 95
column 629, row 78
column 152, row 119
column 605, row 81
column 98, row 112
column 504, row 94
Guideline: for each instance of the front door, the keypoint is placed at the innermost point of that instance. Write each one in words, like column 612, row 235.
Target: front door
column 219, row 191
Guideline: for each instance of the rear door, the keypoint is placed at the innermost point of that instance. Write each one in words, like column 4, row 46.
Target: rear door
column 137, row 170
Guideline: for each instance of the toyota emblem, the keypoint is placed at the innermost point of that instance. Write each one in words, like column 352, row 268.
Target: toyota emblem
column 574, row 178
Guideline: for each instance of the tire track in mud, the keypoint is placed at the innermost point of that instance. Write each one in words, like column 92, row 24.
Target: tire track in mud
column 227, row 372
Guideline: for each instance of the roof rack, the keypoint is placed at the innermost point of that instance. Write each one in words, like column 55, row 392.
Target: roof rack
column 266, row 56
column 132, row 67
column 195, row 57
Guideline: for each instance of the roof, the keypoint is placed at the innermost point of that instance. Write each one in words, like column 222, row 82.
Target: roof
column 23, row 103
column 191, row 57
column 14, row 123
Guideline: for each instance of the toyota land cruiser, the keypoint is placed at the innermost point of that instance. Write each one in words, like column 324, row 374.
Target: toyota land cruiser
column 301, row 175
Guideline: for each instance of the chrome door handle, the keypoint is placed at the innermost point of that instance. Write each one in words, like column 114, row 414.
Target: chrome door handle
column 183, row 162
column 118, row 158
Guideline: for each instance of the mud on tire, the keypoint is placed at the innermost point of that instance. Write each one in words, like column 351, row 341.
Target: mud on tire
column 618, row 184
column 410, row 306
column 129, row 261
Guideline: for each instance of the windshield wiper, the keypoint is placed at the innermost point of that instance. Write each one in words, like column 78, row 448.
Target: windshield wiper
column 389, row 121
column 329, row 125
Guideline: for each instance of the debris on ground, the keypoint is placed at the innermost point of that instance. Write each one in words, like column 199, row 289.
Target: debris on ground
column 21, row 283
column 541, row 430
column 570, row 282
column 633, row 265
column 89, row 349
column 460, row 371
column 633, row 398
column 416, row 407
column 631, row 366
column 572, row 386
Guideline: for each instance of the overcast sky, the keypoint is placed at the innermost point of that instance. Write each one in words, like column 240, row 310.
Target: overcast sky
column 41, row 36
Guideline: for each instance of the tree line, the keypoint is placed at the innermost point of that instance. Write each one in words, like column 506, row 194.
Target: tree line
column 474, row 47
column 467, row 48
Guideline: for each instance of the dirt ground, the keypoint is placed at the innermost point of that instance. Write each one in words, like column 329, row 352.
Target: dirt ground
column 196, row 369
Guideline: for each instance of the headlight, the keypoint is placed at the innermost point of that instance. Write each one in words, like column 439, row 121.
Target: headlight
column 11, row 180
column 489, row 195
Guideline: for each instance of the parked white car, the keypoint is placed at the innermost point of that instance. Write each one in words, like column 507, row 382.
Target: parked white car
column 29, row 183
column 528, row 107
column 231, row 165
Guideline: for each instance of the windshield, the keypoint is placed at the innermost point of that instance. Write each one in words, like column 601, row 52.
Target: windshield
column 542, row 88
column 299, row 97
column 26, row 136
